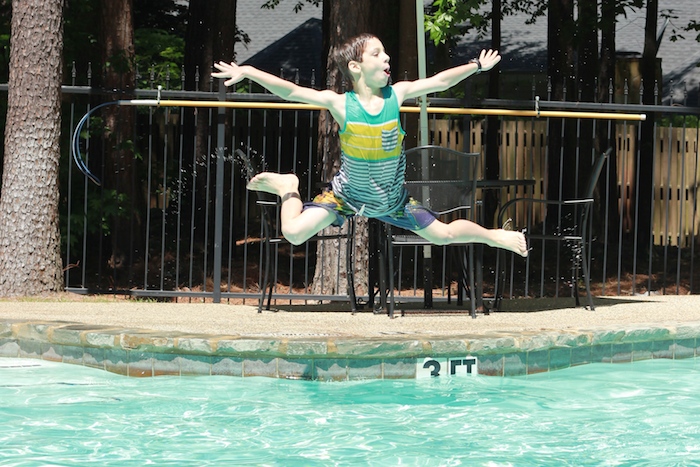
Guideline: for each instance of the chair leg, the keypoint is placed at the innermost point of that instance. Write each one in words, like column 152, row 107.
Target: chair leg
column 269, row 280
column 586, row 276
column 574, row 279
column 266, row 274
column 383, row 266
column 499, row 281
column 350, row 264
column 472, row 292
column 460, row 275
column 390, row 260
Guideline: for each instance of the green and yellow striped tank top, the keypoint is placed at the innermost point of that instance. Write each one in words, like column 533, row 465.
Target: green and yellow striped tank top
column 373, row 164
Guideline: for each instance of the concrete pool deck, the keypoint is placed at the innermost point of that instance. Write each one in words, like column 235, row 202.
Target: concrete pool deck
column 141, row 338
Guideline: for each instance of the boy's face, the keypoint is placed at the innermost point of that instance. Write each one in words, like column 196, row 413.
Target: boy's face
column 375, row 64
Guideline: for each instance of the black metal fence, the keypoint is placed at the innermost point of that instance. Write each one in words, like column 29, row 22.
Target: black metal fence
column 173, row 218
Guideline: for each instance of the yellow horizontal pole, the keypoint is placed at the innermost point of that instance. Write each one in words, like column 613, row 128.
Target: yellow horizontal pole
column 529, row 113
column 406, row 109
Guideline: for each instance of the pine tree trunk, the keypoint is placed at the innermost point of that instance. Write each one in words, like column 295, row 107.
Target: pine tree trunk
column 210, row 36
column 30, row 255
column 649, row 77
column 588, row 66
column 606, row 86
column 342, row 20
column 492, row 164
column 561, row 69
column 118, row 76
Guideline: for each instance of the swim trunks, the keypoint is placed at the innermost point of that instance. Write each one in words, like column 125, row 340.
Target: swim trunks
column 411, row 216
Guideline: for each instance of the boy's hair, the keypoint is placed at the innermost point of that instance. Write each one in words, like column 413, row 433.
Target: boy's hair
column 350, row 51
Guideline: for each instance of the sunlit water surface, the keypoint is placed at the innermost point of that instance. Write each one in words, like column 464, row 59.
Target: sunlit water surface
column 645, row 413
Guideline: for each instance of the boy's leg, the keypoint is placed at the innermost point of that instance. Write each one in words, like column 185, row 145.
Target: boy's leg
column 464, row 231
column 298, row 225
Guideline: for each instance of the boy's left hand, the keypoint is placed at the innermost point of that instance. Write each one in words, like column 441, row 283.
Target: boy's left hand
column 489, row 59
column 228, row 70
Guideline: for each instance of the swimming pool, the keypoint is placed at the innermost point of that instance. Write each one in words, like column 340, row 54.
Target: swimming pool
column 600, row 414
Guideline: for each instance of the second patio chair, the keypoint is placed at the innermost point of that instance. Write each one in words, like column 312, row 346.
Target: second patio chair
column 576, row 234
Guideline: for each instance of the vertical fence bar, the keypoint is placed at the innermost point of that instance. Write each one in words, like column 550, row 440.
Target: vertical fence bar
column 231, row 212
column 180, row 168
column 219, row 197
column 164, row 189
column 667, row 203
column 207, row 205
column 695, row 206
column 681, row 207
column 195, row 171
column 149, row 169
column 85, row 186
column 622, row 155
column 638, row 155
column 69, row 206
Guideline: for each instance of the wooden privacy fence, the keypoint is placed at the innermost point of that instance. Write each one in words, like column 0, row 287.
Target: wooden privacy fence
column 676, row 176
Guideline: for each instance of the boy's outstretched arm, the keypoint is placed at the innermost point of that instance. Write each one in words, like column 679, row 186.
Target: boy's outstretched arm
column 281, row 87
column 447, row 78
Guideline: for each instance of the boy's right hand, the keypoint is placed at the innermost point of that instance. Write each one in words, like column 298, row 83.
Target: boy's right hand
column 228, row 70
column 489, row 59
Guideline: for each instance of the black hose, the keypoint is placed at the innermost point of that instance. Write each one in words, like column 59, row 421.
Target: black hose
column 75, row 144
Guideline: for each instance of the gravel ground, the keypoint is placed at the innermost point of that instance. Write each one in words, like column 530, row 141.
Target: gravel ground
column 243, row 320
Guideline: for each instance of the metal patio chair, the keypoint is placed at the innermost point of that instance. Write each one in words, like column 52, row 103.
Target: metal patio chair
column 575, row 234
column 443, row 180
column 272, row 238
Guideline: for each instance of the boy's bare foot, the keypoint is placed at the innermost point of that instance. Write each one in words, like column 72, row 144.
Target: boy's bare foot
column 277, row 184
column 511, row 241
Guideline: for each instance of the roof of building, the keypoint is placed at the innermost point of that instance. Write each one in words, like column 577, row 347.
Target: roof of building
column 280, row 39
column 284, row 40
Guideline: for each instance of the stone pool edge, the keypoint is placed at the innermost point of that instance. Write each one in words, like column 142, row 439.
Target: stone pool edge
column 144, row 353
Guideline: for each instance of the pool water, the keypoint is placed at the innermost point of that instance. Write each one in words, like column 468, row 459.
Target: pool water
column 645, row 413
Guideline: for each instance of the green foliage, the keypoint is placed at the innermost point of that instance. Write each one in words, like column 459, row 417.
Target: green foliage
column 680, row 121
column 450, row 18
column 271, row 4
column 159, row 57
column 676, row 33
column 80, row 32
column 4, row 57
column 101, row 213
column 694, row 26
column 166, row 15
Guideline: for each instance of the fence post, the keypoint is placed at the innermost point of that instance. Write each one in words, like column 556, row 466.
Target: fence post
column 219, row 197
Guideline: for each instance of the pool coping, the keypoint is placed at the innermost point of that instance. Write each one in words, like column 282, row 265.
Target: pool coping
column 144, row 353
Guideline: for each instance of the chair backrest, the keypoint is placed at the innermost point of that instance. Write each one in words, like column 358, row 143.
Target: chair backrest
column 442, row 179
column 596, row 169
column 595, row 173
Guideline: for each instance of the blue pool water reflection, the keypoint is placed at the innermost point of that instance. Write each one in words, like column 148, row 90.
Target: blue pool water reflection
column 644, row 413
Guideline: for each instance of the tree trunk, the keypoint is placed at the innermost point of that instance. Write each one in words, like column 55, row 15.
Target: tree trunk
column 405, row 65
column 606, row 137
column 210, row 37
column 492, row 167
column 119, row 80
column 562, row 134
column 30, row 255
column 646, row 164
column 587, row 73
column 341, row 21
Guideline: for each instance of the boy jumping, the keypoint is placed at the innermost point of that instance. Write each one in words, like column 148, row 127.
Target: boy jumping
column 370, row 180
